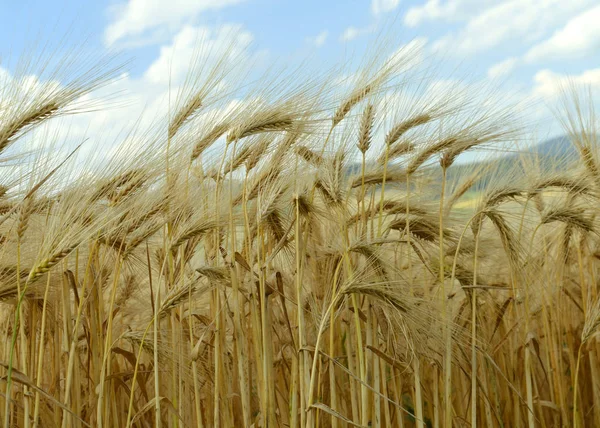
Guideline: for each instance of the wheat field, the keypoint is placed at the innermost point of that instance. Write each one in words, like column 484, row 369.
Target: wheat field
column 302, row 256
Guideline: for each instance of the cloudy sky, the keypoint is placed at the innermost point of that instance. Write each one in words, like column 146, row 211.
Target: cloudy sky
column 526, row 46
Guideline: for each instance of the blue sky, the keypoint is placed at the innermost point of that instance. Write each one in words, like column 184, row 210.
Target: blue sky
column 528, row 47
column 486, row 32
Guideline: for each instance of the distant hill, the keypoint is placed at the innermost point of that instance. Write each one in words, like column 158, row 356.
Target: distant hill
column 558, row 147
column 552, row 155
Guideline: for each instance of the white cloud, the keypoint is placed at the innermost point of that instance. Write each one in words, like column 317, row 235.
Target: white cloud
column 409, row 55
column 580, row 36
column 549, row 84
column 502, row 68
column 349, row 33
column 142, row 103
column 320, row 39
column 352, row 33
column 380, row 6
column 154, row 19
column 450, row 10
column 522, row 20
column 192, row 44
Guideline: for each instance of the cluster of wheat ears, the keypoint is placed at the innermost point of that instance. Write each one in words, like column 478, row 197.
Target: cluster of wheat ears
column 303, row 256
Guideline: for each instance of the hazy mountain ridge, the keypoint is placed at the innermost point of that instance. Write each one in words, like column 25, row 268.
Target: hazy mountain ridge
column 550, row 155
